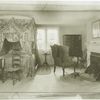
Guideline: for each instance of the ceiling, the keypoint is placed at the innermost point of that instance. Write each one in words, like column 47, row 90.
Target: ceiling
column 58, row 12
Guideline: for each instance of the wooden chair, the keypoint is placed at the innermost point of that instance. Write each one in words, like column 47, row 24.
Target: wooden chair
column 61, row 57
column 15, row 69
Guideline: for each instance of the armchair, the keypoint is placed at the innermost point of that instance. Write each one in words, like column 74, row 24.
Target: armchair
column 61, row 57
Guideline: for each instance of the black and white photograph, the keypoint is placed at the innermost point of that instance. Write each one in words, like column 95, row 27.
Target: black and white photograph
column 49, row 49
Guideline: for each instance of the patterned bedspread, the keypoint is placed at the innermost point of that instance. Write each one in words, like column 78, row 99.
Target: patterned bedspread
column 27, row 62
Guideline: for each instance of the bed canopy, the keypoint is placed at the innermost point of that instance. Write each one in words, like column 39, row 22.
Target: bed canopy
column 18, row 28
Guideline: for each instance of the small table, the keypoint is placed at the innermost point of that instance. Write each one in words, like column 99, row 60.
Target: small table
column 76, row 62
column 45, row 61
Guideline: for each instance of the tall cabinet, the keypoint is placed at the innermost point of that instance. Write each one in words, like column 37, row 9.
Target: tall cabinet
column 74, row 42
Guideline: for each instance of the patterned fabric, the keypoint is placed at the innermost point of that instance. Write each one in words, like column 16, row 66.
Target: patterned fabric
column 18, row 28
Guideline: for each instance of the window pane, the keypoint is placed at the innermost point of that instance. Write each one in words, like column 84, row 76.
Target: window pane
column 41, row 39
column 96, row 29
column 52, row 37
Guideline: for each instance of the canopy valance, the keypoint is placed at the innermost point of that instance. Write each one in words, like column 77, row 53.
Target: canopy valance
column 18, row 28
column 14, row 28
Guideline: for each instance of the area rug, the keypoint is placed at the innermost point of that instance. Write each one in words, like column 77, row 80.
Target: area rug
column 81, row 77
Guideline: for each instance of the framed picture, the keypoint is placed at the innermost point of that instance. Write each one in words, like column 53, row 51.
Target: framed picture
column 96, row 29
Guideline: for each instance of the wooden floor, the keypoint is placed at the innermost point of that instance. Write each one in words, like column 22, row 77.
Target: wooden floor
column 50, row 84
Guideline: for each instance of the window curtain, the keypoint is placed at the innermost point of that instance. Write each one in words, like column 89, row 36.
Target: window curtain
column 38, row 61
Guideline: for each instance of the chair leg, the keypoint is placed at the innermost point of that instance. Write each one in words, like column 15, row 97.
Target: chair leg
column 54, row 68
column 63, row 71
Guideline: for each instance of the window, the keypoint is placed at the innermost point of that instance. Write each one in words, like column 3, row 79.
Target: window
column 47, row 37
column 41, row 38
column 96, row 29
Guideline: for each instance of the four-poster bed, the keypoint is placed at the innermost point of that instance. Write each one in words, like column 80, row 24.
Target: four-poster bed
column 18, row 32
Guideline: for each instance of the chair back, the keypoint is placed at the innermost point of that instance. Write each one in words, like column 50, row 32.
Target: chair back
column 61, row 55
column 55, row 54
column 16, row 59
